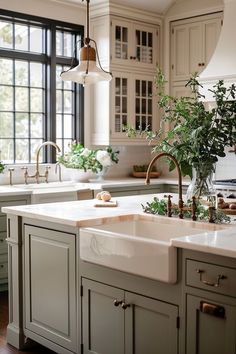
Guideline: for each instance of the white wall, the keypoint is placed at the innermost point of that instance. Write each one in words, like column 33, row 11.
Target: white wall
column 74, row 13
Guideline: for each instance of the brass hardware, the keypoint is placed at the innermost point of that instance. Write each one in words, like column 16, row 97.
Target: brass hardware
column 1, row 266
column 11, row 170
column 58, row 170
column 1, row 240
column 211, row 309
column 37, row 174
column 234, row 150
column 169, row 205
column 166, row 154
column 211, row 214
column 209, row 283
column 117, row 303
column 124, row 305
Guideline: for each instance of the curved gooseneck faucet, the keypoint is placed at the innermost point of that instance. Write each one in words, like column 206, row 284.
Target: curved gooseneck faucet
column 172, row 158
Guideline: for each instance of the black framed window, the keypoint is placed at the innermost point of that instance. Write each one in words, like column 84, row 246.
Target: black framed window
column 35, row 104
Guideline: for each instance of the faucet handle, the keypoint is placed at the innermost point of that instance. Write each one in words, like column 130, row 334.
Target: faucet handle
column 25, row 169
column 11, row 169
column 47, row 168
column 169, row 204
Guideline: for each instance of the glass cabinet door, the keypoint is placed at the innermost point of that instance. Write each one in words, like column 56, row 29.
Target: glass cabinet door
column 144, row 46
column 121, row 103
column 143, row 104
column 121, row 42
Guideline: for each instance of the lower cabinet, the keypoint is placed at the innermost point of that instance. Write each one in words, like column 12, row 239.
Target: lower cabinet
column 211, row 327
column 50, row 287
column 117, row 321
column 134, row 190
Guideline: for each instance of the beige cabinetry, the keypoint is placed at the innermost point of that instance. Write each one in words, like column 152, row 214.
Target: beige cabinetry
column 130, row 49
column 193, row 42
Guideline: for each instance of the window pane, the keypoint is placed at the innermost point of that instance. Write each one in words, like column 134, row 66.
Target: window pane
column 6, row 98
column 34, row 145
column 68, row 101
column 67, row 126
column 6, row 148
column 6, row 34
column 68, row 45
column 21, row 37
column 59, row 102
column 22, row 150
column 22, row 125
column 36, row 125
column 36, row 100
column 36, row 40
column 6, row 125
column 59, row 126
column 36, row 74
column 58, row 77
column 22, row 99
column 59, row 41
column 6, row 70
column 21, row 73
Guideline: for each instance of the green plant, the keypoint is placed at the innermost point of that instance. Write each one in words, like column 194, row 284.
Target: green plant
column 159, row 207
column 79, row 157
column 2, row 167
column 198, row 136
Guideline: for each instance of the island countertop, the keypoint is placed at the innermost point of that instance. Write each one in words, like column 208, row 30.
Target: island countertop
column 85, row 214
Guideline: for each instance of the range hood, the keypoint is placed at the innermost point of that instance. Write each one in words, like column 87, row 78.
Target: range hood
column 222, row 65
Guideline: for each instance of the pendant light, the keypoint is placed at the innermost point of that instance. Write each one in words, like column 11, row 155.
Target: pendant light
column 87, row 72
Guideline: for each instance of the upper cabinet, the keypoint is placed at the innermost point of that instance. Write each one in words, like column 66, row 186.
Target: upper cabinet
column 134, row 44
column 193, row 42
column 130, row 49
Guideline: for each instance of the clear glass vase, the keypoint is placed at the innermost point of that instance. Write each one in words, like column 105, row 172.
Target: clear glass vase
column 202, row 187
column 100, row 176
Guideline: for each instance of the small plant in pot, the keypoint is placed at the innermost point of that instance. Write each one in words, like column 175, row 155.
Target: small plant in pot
column 197, row 136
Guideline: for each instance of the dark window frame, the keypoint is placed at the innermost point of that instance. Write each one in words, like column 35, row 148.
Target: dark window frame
column 51, row 60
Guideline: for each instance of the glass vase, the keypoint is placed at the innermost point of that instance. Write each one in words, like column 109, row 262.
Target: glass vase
column 101, row 174
column 202, row 187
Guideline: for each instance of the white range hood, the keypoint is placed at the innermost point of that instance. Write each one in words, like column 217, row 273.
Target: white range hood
column 223, row 62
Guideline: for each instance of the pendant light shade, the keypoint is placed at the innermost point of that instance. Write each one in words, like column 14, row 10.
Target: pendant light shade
column 88, row 71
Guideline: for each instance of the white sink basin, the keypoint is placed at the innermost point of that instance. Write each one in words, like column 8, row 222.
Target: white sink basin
column 41, row 186
column 140, row 246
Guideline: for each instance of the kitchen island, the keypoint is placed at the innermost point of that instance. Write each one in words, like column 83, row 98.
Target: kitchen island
column 71, row 305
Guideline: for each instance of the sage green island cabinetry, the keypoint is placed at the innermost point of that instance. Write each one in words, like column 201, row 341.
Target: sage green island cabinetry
column 6, row 200
column 209, row 303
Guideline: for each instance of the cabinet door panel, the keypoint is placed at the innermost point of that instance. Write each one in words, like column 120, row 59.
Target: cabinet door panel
column 150, row 326
column 195, row 48
column 211, row 31
column 210, row 333
column 103, row 323
column 50, row 285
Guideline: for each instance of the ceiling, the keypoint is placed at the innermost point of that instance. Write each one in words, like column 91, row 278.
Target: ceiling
column 159, row 6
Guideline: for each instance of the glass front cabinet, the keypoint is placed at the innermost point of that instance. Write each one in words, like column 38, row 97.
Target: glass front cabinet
column 133, row 104
column 134, row 44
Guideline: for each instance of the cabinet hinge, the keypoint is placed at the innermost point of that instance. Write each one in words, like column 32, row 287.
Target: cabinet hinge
column 177, row 322
column 81, row 348
column 222, row 21
column 172, row 66
column 111, row 23
column 172, row 31
column 81, row 290
column 157, row 33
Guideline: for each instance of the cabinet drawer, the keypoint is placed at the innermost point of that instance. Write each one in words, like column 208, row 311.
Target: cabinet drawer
column 3, row 244
column 3, row 223
column 3, row 269
column 211, row 277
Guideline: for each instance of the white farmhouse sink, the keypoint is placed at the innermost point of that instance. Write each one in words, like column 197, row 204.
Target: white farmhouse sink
column 43, row 185
column 141, row 246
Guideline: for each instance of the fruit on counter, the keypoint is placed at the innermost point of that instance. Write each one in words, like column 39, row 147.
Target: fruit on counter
column 104, row 195
column 232, row 206
column 223, row 205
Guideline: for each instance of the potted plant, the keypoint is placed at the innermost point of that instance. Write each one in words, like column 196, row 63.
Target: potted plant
column 84, row 163
column 197, row 136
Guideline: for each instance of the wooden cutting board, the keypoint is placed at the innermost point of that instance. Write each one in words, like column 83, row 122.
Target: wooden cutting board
column 143, row 174
column 101, row 203
column 228, row 211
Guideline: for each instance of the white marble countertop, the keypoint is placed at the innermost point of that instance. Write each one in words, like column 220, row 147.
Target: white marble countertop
column 220, row 240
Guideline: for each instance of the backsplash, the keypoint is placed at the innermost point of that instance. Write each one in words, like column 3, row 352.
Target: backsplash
column 226, row 167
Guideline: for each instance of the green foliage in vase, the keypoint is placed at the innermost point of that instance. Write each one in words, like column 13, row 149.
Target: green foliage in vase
column 79, row 157
column 197, row 136
column 159, row 207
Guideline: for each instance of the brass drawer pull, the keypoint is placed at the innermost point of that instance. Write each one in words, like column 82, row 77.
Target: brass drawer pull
column 124, row 305
column 212, row 309
column 209, row 283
